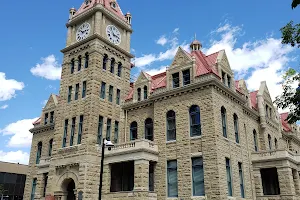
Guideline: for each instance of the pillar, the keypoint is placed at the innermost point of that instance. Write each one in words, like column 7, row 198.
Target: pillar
column 296, row 182
column 286, row 182
column 257, row 182
column 141, row 175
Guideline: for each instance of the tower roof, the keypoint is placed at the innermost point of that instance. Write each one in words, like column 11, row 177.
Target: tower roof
column 111, row 5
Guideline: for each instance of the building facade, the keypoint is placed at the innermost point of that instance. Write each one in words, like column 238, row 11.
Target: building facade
column 191, row 132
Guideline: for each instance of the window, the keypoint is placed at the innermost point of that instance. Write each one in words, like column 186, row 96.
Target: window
column 105, row 58
column 70, row 94
column 79, row 63
column 236, row 128
column 83, row 89
column 172, row 178
column 276, row 143
column 108, row 129
column 87, row 57
column 171, row 125
column 133, row 131
column 145, row 92
column 270, row 141
column 175, row 78
column 80, row 128
column 223, row 78
column 51, row 117
column 198, row 177
column 65, row 133
column 110, row 93
column 116, row 137
column 241, row 180
column 72, row 131
column 33, row 188
column 255, row 140
column 112, row 65
column 120, row 69
column 267, row 111
column 122, row 176
column 45, row 176
column 100, row 130
column 50, row 147
column 270, row 181
column 46, row 118
column 195, row 124
column 229, row 181
column 229, row 81
column 39, row 152
column 102, row 92
column 149, row 129
column 118, row 97
column 151, row 176
column 186, row 77
column 76, row 91
column 139, row 94
column 270, row 113
column 72, row 66
column 224, row 123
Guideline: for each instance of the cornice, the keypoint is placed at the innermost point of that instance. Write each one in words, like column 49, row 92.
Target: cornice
column 42, row 128
column 292, row 137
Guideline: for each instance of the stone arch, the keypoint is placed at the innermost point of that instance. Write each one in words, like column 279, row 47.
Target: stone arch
column 65, row 177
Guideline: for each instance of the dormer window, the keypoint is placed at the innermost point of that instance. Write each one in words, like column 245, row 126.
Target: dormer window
column 223, row 78
column 175, row 78
column 139, row 94
column 113, row 5
column 87, row 2
column 229, row 81
column 186, row 77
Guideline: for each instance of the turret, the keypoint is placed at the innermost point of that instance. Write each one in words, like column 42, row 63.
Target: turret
column 128, row 17
column 72, row 13
column 195, row 45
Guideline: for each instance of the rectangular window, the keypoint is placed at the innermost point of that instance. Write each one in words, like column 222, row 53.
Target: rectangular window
column 236, row 130
column 255, row 141
column 76, row 91
column 198, row 177
column 102, row 92
column 172, row 178
column 110, row 93
column 108, row 129
column 83, row 89
column 45, row 183
column 33, row 189
column 46, row 118
column 229, row 181
column 116, row 136
column 229, row 81
column 119, row 69
column 270, row 181
column 241, row 180
column 100, row 130
column 65, row 133
column 70, row 94
column 80, row 127
column 79, row 63
column 175, row 78
column 223, row 78
column 122, row 177
column 118, row 97
column 51, row 117
column 72, row 131
column 151, row 176
column 72, row 66
column 186, row 77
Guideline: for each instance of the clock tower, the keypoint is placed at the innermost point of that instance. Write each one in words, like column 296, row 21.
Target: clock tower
column 94, row 82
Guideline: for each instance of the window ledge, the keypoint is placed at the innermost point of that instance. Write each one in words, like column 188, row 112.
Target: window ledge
column 231, row 198
column 196, row 137
column 199, row 197
column 171, row 141
column 226, row 139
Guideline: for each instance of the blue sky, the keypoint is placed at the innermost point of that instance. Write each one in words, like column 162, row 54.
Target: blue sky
column 34, row 32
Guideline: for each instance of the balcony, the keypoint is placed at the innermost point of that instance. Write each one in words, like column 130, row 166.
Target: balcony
column 44, row 162
column 275, row 155
column 133, row 150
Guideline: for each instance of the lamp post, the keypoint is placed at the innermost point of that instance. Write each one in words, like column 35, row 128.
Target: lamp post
column 109, row 144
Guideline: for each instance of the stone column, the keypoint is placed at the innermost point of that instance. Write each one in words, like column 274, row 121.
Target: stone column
column 286, row 182
column 257, row 182
column 69, row 36
column 141, row 175
column 296, row 181
column 98, row 23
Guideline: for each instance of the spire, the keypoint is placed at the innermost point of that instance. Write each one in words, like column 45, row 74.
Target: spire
column 196, row 45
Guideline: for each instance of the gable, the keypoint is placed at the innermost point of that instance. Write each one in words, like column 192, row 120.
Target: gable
column 264, row 92
column 143, row 77
column 222, row 61
column 180, row 58
column 51, row 103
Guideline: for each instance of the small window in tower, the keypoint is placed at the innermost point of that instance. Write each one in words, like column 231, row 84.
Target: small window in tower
column 113, row 4
column 175, row 78
column 186, row 77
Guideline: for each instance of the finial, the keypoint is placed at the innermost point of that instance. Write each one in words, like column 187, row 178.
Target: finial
column 195, row 36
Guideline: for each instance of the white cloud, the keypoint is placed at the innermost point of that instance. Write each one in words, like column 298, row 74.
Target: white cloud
column 162, row 40
column 49, row 68
column 156, row 71
column 176, row 30
column 8, row 87
column 19, row 132
column 14, row 157
column 44, row 102
column 3, row 107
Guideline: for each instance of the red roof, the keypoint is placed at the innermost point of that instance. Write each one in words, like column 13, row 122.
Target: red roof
column 253, row 98
column 36, row 122
column 106, row 3
column 238, row 89
column 285, row 124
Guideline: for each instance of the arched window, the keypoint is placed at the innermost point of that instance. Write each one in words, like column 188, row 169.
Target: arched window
column 72, row 66
column 79, row 63
column 133, row 131
column 255, row 140
column 195, row 123
column 39, row 152
column 149, row 129
column 105, row 58
column 276, row 143
column 119, row 69
column 145, row 92
column 139, row 94
column 224, row 123
column 270, row 141
column 112, row 65
column 171, row 125
column 50, row 147
column 87, row 57
column 236, row 128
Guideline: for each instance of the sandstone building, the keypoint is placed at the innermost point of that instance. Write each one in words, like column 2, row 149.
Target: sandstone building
column 191, row 132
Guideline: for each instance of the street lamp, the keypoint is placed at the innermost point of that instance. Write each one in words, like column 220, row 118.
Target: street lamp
column 109, row 144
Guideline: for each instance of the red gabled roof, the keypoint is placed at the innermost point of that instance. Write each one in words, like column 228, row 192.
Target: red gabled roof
column 158, row 81
column 285, row 124
column 253, row 98
column 36, row 122
column 238, row 89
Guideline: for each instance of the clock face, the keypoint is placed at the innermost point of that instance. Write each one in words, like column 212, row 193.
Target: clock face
column 113, row 34
column 83, row 31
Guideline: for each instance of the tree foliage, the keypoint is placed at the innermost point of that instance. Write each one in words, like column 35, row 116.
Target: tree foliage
column 295, row 3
